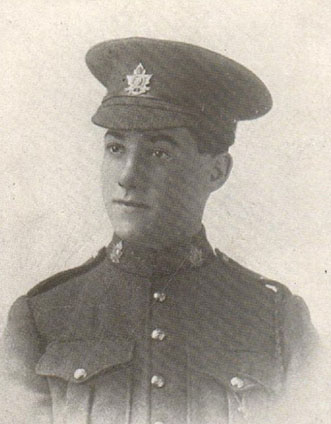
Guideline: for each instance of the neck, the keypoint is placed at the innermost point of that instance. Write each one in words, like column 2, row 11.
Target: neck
column 142, row 258
column 162, row 240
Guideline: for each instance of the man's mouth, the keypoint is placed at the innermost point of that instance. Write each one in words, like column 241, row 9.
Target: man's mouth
column 131, row 204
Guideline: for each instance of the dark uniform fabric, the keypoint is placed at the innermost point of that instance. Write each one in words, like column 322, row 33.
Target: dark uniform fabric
column 136, row 336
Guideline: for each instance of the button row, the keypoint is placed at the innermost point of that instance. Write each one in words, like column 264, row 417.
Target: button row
column 157, row 380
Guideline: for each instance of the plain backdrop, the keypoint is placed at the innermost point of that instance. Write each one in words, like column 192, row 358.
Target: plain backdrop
column 273, row 215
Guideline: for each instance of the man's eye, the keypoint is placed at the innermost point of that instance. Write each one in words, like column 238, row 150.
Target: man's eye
column 114, row 148
column 161, row 154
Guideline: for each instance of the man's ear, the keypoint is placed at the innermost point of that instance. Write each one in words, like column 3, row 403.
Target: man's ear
column 220, row 170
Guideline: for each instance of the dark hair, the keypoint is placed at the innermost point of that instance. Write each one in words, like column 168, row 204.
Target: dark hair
column 214, row 142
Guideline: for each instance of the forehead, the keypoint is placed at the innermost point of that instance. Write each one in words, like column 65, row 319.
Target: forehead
column 178, row 137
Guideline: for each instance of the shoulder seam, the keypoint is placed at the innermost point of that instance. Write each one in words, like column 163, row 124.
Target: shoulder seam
column 236, row 265
column 254, row 276
column 34, row 322
column 64, row 276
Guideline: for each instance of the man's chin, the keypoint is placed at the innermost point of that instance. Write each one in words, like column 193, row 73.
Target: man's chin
column 132, row 232
column 145, row 234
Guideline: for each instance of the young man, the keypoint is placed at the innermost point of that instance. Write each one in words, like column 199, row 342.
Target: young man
column 159, row 328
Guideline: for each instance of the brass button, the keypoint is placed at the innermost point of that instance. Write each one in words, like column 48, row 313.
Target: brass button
column 80, row 374
column 159, row 296
column 158, row 381
column 158, row 334
column 237, row 382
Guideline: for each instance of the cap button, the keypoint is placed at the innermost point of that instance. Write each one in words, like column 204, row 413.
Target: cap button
column 271, row 287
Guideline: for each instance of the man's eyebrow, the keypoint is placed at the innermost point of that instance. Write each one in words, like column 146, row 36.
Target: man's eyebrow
column 153, row 138
column 115, row 134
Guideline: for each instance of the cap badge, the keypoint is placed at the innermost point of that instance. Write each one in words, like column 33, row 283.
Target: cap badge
column 138, row 81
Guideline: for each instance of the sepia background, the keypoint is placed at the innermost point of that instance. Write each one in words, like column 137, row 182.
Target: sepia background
column 274, row 213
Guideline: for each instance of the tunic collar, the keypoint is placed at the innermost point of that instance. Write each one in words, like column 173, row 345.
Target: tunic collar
column 147, row 261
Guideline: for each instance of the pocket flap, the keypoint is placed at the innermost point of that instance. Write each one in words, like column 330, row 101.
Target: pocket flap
column 242, row 370
column 79, row 360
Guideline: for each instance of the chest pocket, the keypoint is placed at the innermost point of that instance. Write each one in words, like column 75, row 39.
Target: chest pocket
column 238, row 386
column 89, row 378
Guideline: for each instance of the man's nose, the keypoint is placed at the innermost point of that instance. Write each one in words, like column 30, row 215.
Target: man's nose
column 133, row 174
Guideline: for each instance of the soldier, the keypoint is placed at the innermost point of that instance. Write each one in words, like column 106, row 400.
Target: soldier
column 158, row 328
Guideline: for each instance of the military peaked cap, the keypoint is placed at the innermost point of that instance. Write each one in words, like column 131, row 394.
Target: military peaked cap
column 155, row 84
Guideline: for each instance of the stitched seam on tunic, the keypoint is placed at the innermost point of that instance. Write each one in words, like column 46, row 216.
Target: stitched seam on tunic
column 188, row 389
column 40, row 339
column 131, row 388
column 90, row 404
column 279, row 333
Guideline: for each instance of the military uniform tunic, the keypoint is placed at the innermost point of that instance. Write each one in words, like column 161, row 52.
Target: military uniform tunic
column 138, row 336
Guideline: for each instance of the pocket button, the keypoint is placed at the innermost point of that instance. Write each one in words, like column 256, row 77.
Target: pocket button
column 237, row 382
column 80, row 374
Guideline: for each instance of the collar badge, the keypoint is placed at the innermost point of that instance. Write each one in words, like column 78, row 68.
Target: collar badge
column 196, row 256
column 138, row 81
column 116, row 252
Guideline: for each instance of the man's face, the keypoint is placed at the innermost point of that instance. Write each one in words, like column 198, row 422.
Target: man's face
column 155, row 184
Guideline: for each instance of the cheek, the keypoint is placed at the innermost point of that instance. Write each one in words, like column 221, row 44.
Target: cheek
column 108, row 178
column 189, row 188
column 179, row 193
column 184, row 181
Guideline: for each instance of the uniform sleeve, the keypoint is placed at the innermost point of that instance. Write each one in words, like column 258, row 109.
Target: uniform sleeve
column 26, row 397
column 306, row 392
column 300, row 336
